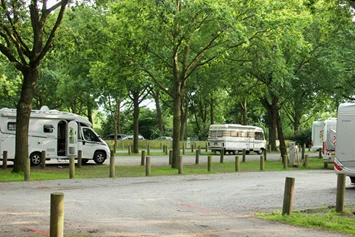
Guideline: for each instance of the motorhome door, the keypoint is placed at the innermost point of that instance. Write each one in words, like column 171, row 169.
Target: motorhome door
column 90, row 141
column 72, row 139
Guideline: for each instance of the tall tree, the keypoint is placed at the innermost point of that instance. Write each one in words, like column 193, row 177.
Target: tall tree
column 26, row 36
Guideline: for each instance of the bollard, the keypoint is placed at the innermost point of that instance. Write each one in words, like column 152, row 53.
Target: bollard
column 197, row 159
column 320, row 153
column 285, row 160
column 161, row 145
column 206, row 147
column 209, row 164
column 170, row 157
column 192, row 148
column 43, row 159
column 265, row 154
column 166, row 149
column 262, row 163
column 80, row 158
column 56, row 228
column 288, row 196
column 112, row 165
column 129, row 149
column 148, row 149
column 340, row 193
column 27, row 170
column 142, row 158
column 244, row 154
column 147, row 166
column 181, row 165
column 222, row 156
column 4, row 160
column 303, row 151
column 237, row 164
column 71, row 168
column 306, row 161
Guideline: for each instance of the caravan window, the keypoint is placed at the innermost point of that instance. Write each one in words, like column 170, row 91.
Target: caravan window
column 11, row 126
column 48, row 128
column 259, row 136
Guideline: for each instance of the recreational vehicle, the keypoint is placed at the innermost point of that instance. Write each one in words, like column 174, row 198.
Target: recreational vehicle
column 233, row 138
column 317, row 135
column 59, row 134
column 345, row 158
column 329, row 140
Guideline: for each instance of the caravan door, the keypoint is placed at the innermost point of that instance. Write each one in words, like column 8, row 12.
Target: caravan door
column 72, row 139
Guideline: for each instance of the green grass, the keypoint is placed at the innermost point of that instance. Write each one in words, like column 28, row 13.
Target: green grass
column 53, row 172
column 323, row 218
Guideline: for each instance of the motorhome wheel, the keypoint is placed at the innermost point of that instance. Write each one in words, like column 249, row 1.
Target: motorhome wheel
column 35, row 158
column 260, row 152
column 99, row 157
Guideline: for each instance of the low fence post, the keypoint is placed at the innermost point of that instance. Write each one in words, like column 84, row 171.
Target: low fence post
column 340, row 193
column 262, row 163
column 147, row 166
column 170, row 157
column 244, row 154
column 197, row 159
column 288, row 196
column 285, row 161
column 112, row 165
column 4, row 160
column 142, row 158
column 56, row 228
column 265, row 154
column 181, row 165
column 71, row 168
column 209, row 164
column 237, row 164
column 43, row 159
column 306, row 161
column 320, row 153
column 80, row 157
column 222, row 156
column 27, row 170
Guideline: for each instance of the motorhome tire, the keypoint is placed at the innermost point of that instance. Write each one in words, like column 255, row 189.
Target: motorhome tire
column 35, row 158
column 352, row 179
column 260, row 152
column 247, row 152
column 99, row 157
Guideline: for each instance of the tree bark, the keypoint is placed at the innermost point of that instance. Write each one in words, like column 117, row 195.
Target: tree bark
column 24, row 108
column 135, row 121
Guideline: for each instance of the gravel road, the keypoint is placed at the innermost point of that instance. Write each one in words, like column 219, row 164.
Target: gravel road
column 187, row 205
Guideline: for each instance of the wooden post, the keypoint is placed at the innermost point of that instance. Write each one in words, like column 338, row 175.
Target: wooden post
column 192, row 148
column 43, row 159
column 209, row 164
column 161, row 145
column 166, row 149
column 148, row 149
column 129, row 149
column 244, row 154
column 222, row 156
column 80, row 157
column 306, row 161
column 303, row 151
column 181, row 165
column 285, row 161
column 206, row 146
column 142, row 158
column 71, row 168
column 340, row 193
column 170, row 157
column 262, row 163
column 237, row 164
column 320, row 153
column 56, row 228
column 288, row 196
column 27, row 170
column 112, row 165
column 197, row 159
column 4, row 160
column 265, row 154
column 147, row 166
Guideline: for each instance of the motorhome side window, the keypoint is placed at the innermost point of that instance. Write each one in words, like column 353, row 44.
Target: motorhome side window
column 259, row 136
column 48, row 128
column 89, row 135
column 11, row 126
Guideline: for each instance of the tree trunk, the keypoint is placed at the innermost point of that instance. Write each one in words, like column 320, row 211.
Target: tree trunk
column 156, row 96
column 283, row 148
column 272, row 124
column 24, row 108
column 135, row 121
column 176, row 124
column 184, row 113
column 212, row 111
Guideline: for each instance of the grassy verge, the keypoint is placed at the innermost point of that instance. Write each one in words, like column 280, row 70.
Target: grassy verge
column 53, row 172
column 323, row 218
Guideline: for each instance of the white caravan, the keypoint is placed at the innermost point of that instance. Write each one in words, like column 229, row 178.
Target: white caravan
column 317, row 135
column 233, row 138
column 329, row 140
column 345, row 158
column 59, row 134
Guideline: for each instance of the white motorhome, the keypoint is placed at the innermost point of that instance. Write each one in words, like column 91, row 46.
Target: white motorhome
column 317, row 135
column 233, row 138
column 59, row 134
column 329, row 140
column 345, row 157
